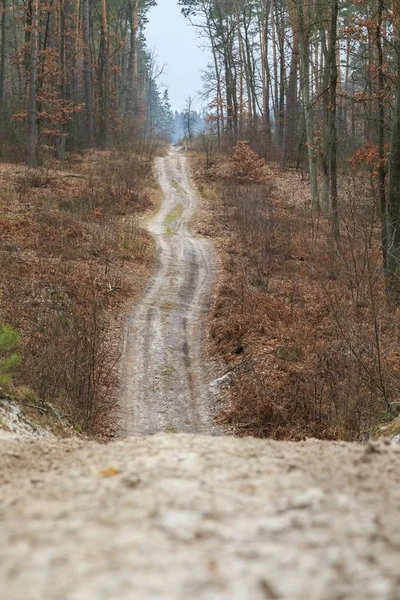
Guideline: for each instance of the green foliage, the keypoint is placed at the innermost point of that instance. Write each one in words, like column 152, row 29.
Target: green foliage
column 172, row 217
column 9, row 359
column 392, row 412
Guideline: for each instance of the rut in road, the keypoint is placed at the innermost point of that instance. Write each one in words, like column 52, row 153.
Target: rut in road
column 164, row 383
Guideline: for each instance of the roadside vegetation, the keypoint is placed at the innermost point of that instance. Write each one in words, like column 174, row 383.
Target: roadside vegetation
column 71, row 256
column 9, row 358
column 303, row 325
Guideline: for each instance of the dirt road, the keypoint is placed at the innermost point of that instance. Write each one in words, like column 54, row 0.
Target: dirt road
column 164, row 383
column 180, row 517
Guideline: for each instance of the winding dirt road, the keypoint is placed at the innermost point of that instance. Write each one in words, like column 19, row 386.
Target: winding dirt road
column 164, row 383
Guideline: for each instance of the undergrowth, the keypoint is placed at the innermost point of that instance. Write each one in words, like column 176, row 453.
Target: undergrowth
column 71, row 254
column 300, row 321
column 9, row 358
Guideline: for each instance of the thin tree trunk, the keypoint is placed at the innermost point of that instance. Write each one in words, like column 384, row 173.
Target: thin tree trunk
column 282, row 70
column 241, row 71
column 275, row 71
column 381, row 142
column 250, row 78
column 308, row 109
column 333, row 109
column 131, row 100
column 325, row 204
column 266, row 104
column 32, row 135
column 105, row 76
column 220, row 108
column 291, row 97
column 393, row 242
column 325, row 66
column 87, row 70
column 3, row 51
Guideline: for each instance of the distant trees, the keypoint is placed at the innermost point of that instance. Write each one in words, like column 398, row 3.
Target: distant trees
column 165, row 123
column 75, row 74
column 180, row 130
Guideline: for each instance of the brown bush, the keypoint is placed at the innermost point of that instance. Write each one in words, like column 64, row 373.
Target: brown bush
column 64, row 275
column 245, row 165
column 319, row 343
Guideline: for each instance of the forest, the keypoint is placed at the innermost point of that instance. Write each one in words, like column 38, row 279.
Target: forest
column 316, row 78
column 296, row 156
column 82, row 117
column 75, row 75
column 199, row 299
column 312, row 87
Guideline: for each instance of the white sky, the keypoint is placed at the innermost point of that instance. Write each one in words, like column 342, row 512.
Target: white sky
column 176, row 44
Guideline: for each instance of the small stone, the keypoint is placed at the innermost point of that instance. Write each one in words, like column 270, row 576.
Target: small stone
column 132, row 481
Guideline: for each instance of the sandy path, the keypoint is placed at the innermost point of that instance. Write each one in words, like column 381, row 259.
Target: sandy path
column 202, row 518
column 164, row 384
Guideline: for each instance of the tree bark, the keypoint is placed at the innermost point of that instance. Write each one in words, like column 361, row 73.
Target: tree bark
column 393, row 216
column 87, row 70
column 32, row 135
column 3, row 52
column 132, row 62
column 381, row 141
column 308, row 109
column 291, row 96
column 266, row 72
column 333, row 120
column 105, row 77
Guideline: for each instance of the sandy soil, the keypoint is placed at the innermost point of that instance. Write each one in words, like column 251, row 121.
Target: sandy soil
column 183, row 517
column 164, row 372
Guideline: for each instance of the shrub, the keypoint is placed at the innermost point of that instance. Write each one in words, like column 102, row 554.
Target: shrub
column 320, row 344
column 64, row 279
column 9, row 360
column 246, row 165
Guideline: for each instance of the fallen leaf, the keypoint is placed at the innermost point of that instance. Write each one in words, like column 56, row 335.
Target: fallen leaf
column 109, row 472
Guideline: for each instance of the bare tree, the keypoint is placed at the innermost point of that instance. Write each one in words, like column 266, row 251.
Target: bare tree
column 189, row 118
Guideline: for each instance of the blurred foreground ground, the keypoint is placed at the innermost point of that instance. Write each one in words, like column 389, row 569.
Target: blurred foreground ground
column 182, row 516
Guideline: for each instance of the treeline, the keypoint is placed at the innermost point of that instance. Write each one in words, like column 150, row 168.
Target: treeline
column 278, row 66
column 77, row 74
column 315, row 84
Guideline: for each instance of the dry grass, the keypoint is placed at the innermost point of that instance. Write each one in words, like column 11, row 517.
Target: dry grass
column 71, row 257
column 303, row 323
